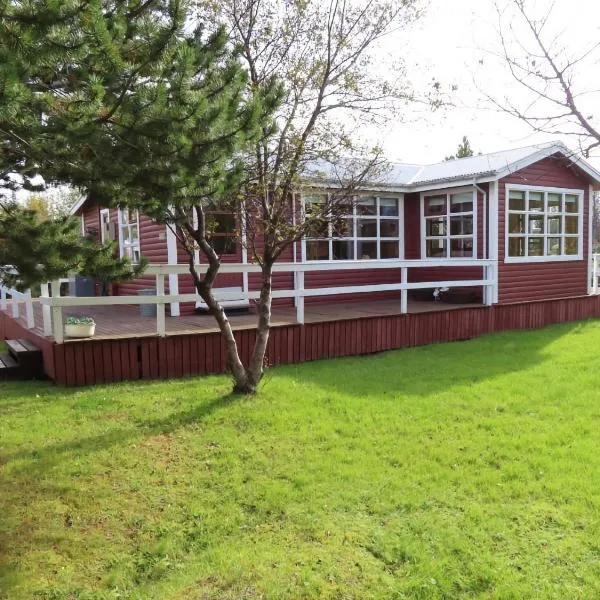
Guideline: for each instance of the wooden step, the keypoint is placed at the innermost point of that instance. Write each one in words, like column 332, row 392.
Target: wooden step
column 9, row 367
column 24, row 358
column 22, row 349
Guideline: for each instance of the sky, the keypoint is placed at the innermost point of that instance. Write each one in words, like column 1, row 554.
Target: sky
column 448, row 43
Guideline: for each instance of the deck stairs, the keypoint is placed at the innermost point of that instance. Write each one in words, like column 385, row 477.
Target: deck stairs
column 23, row 360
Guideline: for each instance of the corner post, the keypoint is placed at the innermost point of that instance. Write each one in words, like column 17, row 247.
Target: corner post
column 57, row 315
column 493, row 247
column 488, row 293
column 29, row 310
column 14, row 304
column 299, row 285
column 404, row 291
column 46, row 311
column 172, row 259
column 161, row 327
column 3, row 304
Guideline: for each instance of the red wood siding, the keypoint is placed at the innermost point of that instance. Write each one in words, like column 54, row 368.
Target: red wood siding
column 93, row 362
column 538, row 280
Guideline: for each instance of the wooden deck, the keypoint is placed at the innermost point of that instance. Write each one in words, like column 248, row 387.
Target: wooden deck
column 121, row 322
column 127, row 348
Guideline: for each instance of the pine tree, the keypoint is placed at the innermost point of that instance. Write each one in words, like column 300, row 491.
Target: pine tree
column 122, row 98
column 33, row 250
column 464, row 150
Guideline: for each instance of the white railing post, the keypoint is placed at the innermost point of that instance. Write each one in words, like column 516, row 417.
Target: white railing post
column 299, row 289
column 595, row 274
column 3, row 304
column 57, row 315
column 403, row 291
column 488, row 290
column 161, row 327
column 46, row 310
column 14, row 304
column 29, row 310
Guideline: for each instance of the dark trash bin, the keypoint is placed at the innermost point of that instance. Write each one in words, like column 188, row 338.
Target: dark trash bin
column 147, row 310
column 82, row 286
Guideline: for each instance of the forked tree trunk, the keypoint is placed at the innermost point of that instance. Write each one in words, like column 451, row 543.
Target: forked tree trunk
column 255, row 369
column 246, row 379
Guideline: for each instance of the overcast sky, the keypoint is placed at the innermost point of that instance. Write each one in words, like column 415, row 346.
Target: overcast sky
column 448, row 43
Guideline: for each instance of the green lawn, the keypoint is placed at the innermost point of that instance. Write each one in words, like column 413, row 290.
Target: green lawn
column 465, row 470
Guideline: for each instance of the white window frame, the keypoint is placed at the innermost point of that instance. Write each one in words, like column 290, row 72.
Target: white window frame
column 129, row 225
column 105, row 211
column 545, row 190
column 354, row 237
column 448, row 237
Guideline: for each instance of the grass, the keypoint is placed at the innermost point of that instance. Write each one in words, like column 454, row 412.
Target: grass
column 466, row 470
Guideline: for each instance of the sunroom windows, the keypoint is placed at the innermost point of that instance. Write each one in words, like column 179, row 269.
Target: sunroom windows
column 129, row 234
column 448, row 220
column 543, row 224
column 370, row 228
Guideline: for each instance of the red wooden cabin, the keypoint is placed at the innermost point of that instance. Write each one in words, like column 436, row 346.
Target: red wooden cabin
column 508, row 233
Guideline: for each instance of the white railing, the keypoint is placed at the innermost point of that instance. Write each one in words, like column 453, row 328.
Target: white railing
column 16, row 300
column 53, row 314
column 53, row 303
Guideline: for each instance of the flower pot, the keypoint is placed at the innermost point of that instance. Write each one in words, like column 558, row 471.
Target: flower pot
column 80, row 331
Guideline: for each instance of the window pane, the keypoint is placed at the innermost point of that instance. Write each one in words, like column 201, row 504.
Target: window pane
column 553, row 246
column 124, row 216
column 389, row 250
column 343, row 250
column 126, row 235
column 536, row 224
column 435, row 205
column 319, row 228
column 343, row 228
column 435, row 227
column 135, row 256
column 516, row 200
column 435, row 248
column 388, row 207
column 536, row 246
column 461, row 247
column 388, row 228
column 224, row 223
column 366, row 228
column 571, row 246
column 571, row 203
column 461, row 202
column 367, row 250
column 366, row 206
column 554, row 201
column 571, row 224
column 461, row 225
column 317, row 250
column 536, row 202
column 516, row 246
column 554, row 224
column 516, row 223
column 223, row 244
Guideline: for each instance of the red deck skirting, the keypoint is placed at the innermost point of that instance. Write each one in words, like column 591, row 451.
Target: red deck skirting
column 99, row 361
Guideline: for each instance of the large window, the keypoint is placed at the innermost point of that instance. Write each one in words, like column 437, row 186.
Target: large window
column 223, row 232
column 370, row 228
column 129, row 234
column 543, row 224
column 448, row 222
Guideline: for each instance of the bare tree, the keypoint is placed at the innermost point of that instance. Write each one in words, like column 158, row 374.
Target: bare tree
column 556, row 98
column 324, row 53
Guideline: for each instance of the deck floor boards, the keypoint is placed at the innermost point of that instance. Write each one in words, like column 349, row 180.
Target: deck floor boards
column 125, row 322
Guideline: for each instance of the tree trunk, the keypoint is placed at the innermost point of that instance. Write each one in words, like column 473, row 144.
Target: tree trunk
column 256, row 367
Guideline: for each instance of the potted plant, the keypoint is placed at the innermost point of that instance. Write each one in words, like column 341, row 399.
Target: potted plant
column 80, row 327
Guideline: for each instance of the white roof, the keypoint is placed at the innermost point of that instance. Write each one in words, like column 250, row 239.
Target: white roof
column 406, row 177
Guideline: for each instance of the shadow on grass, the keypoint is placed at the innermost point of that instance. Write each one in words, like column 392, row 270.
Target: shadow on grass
column 25, row 484
column 434, row 368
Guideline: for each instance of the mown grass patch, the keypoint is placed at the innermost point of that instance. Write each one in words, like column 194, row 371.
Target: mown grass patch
column 449, row 471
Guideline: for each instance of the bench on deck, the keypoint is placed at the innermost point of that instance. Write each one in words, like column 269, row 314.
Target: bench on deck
column 240, row 303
